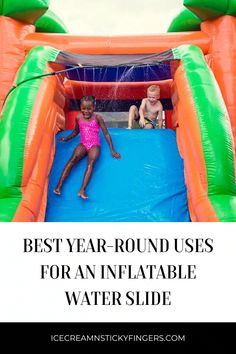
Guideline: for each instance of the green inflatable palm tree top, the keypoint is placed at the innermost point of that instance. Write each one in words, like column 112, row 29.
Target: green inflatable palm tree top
column 35, row 12
column 208, row 9
column 201, row 10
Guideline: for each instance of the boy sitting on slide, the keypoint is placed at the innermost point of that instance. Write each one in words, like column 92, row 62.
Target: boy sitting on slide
column 150, row 113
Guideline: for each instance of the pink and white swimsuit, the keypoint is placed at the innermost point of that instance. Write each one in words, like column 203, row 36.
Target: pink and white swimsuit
column 89, row 131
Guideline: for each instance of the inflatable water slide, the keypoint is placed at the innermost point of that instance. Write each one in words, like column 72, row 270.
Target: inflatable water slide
column 185, row 172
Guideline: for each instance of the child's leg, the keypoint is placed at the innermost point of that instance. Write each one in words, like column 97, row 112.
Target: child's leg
column 93, row 155
column 77, row 155
column 148, row 126
column 133, row 114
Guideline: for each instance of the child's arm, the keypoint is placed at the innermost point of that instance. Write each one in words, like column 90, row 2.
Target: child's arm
column 73, row 133
column 160, row 116
column 142, row 112
column 107, row 136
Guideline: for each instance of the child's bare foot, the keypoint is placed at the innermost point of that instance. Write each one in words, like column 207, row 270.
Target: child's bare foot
column 82, row 194
column 57, row 191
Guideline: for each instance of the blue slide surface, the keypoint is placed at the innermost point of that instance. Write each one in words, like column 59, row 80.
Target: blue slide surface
column 147, row 184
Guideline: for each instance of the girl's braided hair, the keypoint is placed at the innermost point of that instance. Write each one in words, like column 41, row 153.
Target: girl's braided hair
column 88, row 99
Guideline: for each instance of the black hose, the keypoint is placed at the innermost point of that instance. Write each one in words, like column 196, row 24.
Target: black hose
column 37, row 77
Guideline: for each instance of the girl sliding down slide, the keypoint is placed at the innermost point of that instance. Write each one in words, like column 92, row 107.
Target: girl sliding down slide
column 87, row 124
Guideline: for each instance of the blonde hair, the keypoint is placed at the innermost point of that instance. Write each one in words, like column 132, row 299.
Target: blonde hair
column 154, row 88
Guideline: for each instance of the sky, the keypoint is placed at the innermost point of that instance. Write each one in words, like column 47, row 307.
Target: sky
column 116, row 17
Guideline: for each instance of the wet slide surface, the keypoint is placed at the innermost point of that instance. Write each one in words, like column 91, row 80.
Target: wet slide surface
column 147, row 184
